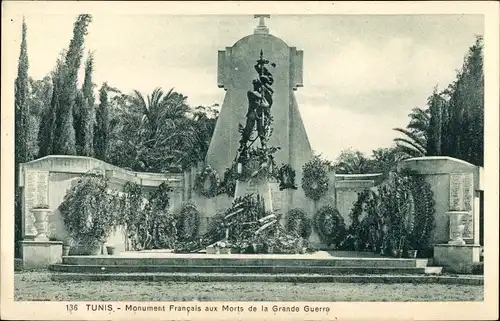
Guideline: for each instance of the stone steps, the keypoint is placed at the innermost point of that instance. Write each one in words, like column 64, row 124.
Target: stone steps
column 240, row 269
column 293, row 278
column 247, row 260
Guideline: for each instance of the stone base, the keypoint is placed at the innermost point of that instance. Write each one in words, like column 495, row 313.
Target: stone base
column 456, row 258
column 210, row 250
column 261, row 187
column 41, row 254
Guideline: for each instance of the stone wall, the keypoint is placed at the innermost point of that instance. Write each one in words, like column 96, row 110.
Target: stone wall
column 47, row 180
column 347, row 188
column 456, row 185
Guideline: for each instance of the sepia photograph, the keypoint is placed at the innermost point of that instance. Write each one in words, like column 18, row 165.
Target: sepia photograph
column 272, row 162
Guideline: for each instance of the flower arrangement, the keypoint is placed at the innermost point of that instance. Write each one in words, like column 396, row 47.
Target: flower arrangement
column 86, row 211
column 228, row 184
column 207, row 182
column 330, row 225
column 286, row 177
column 258, row 164
column 187, row 222
column 222, row 244
column 315, row 178
column 398, row 217
column 298, row 223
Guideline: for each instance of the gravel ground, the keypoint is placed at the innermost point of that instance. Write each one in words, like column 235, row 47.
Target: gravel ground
column 37, row 286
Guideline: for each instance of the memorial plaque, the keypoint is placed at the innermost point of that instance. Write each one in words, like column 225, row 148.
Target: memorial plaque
column 461, row 199
column 277, row 200
column 456, row 192
column 36, row 192
column 468, row 191
column 253, row 186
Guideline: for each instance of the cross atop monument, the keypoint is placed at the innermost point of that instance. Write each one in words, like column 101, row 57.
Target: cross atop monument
column 261, row 28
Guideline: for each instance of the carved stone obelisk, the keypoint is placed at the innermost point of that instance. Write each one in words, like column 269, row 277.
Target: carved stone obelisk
column 236, row 70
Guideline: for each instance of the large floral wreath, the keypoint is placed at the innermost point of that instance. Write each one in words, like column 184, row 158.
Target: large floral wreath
column 207, row 182
column 330, row 225
column 297, row 222
column 315, row 178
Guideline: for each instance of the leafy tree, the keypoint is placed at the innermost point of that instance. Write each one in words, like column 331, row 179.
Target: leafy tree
column 385, row 160
column 352, row 162
column 101, row 128
column 202, row 126
column 65, row 90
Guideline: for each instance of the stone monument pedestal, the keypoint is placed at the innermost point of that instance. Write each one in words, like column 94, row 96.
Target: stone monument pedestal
column 41, row 254
column 260, row 187
column 457, row 258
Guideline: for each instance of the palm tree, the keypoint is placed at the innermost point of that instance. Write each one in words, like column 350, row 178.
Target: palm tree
column 416, row 132
column 152, row 127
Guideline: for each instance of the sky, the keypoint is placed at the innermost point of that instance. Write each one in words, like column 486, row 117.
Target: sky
column 362, row 73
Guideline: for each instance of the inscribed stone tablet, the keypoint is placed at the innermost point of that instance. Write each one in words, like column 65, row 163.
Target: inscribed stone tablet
column 277, row 199
column 456, row 192
column 36, row 188
column 468, row 191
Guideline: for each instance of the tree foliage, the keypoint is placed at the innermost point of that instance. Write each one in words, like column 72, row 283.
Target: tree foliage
column 101, row 128
column 382, row 160
column 21, row 90
column 65, row 90
column 84, row 113
column 453, row 123
column 22, row 122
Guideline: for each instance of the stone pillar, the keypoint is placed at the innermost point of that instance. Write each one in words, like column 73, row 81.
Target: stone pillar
column 454, row 183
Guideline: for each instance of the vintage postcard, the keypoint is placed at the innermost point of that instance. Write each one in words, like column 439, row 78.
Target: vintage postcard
column 249, row 160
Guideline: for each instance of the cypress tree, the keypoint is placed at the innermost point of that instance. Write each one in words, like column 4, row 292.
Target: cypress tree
column 49, row 113
column 87, row 111
column 78, row 122
column 101, row 131
column 64, row 137
column 467, row 108
column 21, row 103
column 435, row 125
column 21, row 116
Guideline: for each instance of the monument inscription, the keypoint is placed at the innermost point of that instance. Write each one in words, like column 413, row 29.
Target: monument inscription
column 461, row 199
column 36, row 192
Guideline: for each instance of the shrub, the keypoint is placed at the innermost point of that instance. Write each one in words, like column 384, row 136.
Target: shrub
column 399, row 215
column 161, row 227
column 87, row 210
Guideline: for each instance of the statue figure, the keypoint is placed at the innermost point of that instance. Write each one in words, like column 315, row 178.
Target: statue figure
column 260, row 100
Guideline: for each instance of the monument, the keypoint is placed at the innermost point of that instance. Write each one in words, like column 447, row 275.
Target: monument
column 260, row 73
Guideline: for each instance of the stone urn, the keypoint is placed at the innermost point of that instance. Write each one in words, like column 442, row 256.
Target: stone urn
column 41, row 215
column 456, row 228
